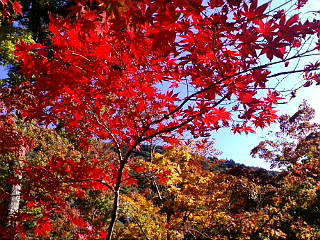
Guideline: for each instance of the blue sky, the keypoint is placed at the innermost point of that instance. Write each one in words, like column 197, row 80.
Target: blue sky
column 238, row 147
column 2, row 72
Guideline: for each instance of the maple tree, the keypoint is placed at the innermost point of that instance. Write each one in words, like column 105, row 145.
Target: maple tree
column 128, row 73
column 48, row 197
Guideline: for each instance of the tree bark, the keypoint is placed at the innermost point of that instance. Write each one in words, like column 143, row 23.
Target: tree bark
column 13, row 207
column 168, row 222
column 116, row 200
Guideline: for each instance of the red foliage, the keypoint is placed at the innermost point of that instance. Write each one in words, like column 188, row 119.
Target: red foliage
column 9, row 7
column 44, row 227
column 11, row 141
column 118, row 72
column 110, row 68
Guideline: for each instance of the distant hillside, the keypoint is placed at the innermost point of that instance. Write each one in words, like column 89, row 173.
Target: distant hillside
column 255, row 174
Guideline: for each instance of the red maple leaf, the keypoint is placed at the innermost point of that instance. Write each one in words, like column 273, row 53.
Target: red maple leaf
column 216, row 3
column 44, row 227
column 17, row 7
column 267, row 29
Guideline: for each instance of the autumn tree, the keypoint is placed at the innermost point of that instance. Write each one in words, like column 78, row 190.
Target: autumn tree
column 296, row 150
column 44, row 197
column 197, row 202
column 128, row 73
column 192, row 201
